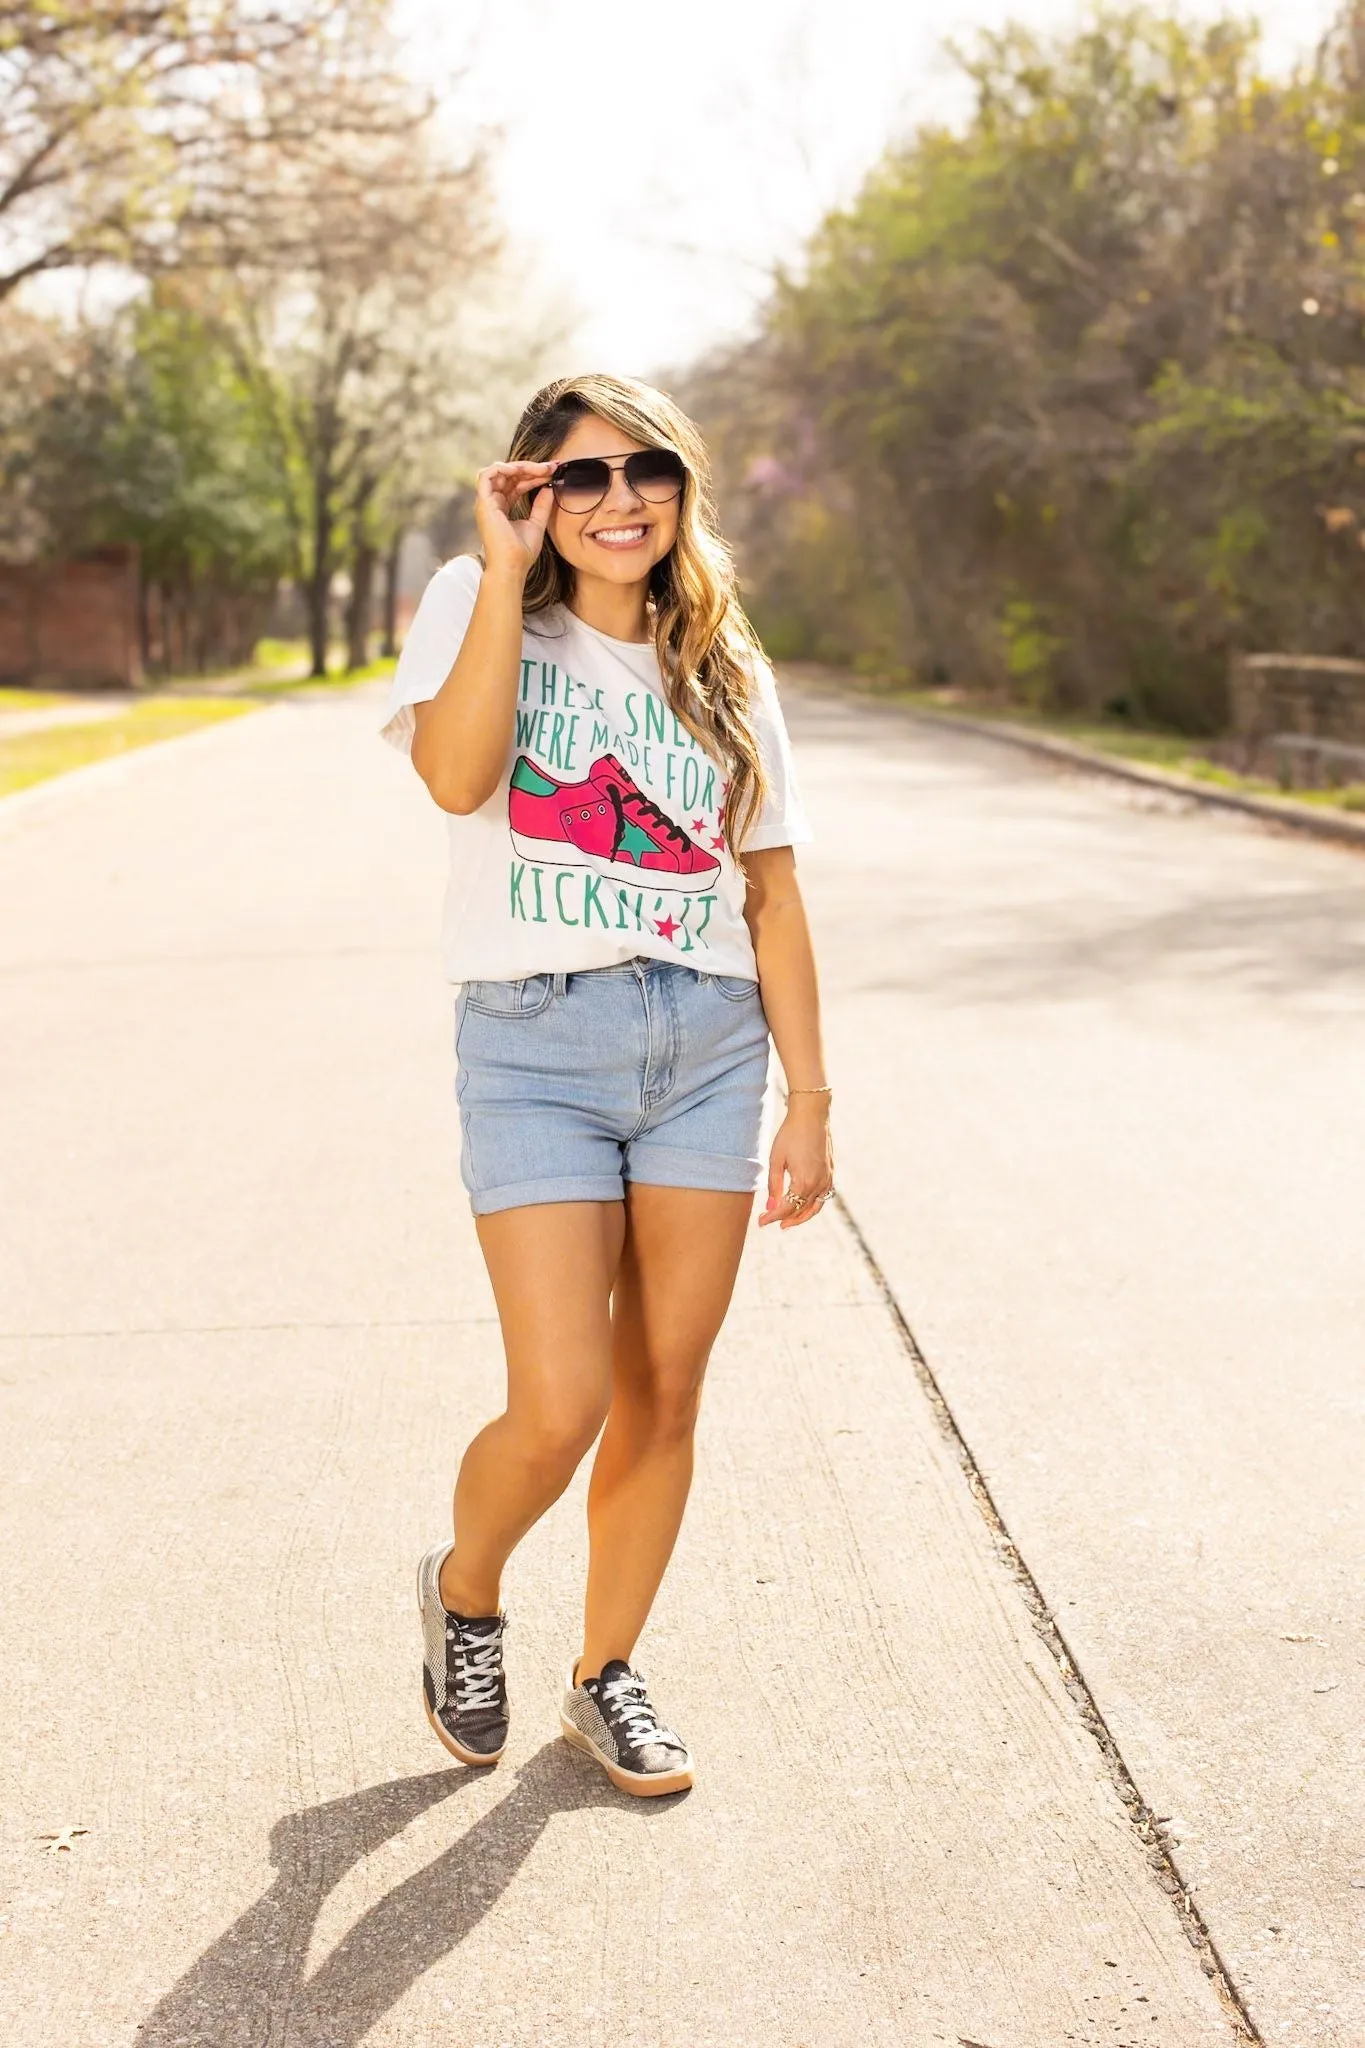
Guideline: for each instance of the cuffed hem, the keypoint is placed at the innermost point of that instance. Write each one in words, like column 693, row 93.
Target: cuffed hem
column 522, row 1194
column 398, row 728
column 666, row 1166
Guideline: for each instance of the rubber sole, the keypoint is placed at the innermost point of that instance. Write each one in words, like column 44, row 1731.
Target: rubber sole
column 639, row 1784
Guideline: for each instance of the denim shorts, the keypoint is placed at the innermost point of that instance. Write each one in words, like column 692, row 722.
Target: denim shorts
column 571, row 1085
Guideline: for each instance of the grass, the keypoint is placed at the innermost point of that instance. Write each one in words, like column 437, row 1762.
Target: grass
column 162, row 712
column 280, row 653
column 1175, row 752
column 279, row 668
column 29, row 700
column 337, row 678
column 32, row 757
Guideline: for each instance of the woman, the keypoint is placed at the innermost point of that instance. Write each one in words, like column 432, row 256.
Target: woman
column 592, row 709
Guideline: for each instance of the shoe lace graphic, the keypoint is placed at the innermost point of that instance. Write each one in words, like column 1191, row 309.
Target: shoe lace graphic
column 653, row 816
column 626, row 1702
column 479, row 1669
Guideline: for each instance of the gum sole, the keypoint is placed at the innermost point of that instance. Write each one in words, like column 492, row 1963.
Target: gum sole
column 634, row 1782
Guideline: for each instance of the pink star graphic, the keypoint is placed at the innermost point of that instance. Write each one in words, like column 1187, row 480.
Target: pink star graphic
column 698, row 824
column 666, row 926
column 719, row 839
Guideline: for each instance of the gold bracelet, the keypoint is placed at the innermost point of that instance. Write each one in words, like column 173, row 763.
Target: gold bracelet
column 811, row 1091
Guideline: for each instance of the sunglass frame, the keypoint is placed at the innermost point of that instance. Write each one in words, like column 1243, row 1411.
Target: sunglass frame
column 611, row 465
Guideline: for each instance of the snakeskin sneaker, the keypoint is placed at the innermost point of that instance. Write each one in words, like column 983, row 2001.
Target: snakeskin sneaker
column 611, row 1719
column 462, row 1680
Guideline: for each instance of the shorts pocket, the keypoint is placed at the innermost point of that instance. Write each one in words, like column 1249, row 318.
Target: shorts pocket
column 524, row 998
column 736, row 988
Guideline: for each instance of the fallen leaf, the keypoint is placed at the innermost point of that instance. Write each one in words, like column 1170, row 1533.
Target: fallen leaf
column 1328, row 1688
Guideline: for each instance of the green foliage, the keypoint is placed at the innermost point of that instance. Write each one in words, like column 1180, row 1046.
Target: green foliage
column 1069, row 404
column 161, row 444
column 147, row 433
column 296, row 388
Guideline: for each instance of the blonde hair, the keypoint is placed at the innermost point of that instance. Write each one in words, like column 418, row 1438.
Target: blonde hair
column 707, row 648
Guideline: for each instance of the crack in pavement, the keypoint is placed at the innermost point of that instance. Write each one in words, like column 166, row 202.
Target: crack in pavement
column 1145, row 1824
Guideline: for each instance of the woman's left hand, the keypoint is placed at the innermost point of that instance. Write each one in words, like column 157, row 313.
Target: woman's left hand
column 803, row 1156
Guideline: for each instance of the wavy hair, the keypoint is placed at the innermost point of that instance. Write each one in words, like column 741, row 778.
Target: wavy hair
column 707, row 648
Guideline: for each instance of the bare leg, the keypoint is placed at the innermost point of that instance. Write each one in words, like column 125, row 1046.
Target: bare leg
column 552, row 1265
column 677, row 1273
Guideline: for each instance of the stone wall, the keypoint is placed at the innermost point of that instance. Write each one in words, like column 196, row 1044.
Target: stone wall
column 72, row 622
column 1313, row 696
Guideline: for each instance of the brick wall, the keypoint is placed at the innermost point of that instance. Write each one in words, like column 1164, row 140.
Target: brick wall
column 71, row 622
column 1314, row 696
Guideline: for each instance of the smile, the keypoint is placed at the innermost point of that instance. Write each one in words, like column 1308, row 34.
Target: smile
column 619, row 536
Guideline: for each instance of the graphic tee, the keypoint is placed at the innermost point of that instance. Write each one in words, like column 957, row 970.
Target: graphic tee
column 605, row 836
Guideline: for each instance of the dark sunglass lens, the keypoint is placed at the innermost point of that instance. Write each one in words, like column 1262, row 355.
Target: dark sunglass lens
column 578, row 486
column 656, row 473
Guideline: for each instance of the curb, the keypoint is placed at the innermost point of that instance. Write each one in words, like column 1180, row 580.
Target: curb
column 1340, row 827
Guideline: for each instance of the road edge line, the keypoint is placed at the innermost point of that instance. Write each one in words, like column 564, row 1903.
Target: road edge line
column 1155, row 1843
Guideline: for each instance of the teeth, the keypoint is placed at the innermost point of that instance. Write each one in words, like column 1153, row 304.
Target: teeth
column 622, row 534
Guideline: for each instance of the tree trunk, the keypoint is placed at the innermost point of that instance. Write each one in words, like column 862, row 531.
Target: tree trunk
column 144, row 623
column 319, row 589
column 389, row 647
column 359, row 604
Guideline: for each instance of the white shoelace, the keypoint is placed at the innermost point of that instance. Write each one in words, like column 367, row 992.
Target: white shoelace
column 626, row 1699
column 480, row 1669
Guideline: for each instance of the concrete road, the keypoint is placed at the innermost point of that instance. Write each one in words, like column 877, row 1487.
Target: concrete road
column 1102, row 1105
column 245, row 1331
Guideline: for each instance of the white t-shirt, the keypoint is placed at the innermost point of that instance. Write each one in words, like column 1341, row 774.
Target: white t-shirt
column 604, row 837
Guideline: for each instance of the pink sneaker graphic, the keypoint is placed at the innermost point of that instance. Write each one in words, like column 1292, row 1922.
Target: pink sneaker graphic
column 604, row 822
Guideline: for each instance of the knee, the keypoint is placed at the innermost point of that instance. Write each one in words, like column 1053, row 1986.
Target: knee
column 555, row 1441
column 673, row 1403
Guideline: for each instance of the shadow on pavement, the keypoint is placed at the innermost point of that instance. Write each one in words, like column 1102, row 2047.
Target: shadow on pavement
column 250, row 1988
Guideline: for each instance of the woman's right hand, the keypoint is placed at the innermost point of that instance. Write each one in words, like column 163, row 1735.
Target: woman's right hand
column 512, row 544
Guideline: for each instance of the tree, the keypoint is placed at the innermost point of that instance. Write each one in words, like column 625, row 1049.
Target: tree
column 329, row 257
column 123, row 120
column 1068, row 404
column 144, row 432
column 353, row 352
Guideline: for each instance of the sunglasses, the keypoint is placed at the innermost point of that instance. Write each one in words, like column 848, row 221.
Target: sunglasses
column 654, row 474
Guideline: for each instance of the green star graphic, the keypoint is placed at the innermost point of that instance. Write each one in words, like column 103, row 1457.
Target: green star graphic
column 635, row 841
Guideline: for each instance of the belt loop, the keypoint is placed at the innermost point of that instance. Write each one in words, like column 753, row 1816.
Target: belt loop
column 561, row 982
